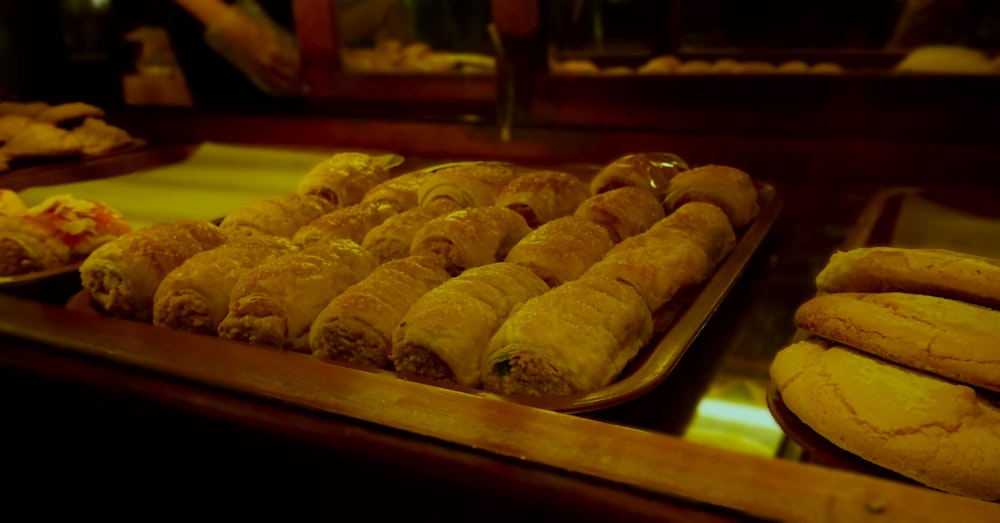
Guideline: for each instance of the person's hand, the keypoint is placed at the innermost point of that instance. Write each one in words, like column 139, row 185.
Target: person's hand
column 266, row 53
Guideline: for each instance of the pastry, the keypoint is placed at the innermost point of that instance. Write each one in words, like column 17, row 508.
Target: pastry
column 280, row 215
column 935, row 272
column 81, row 224
column 356, row 326
column 470, row 237
column 41, row 140
column 29, row 109
column 729, row 188
column 98, row 137
column 624, row 212
column 542, row 196
column 349, row 223
column 941, row 434
column 575, row 338
column 11, row 204
column 950, row 338
column 276, row 302
column 344, row 178
column 13, row 124
column 68, row 113
column 400, row 191
column 444, row 334
column 122, row 275
column 27, row 246
column 652, row 171
column 392, row 238
column 562, row 249
column 194, row 297
column 469, row 184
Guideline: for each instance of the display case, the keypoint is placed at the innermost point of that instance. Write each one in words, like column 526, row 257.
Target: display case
column 180, row 424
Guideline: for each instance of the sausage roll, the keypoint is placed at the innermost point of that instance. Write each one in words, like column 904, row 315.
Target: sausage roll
column 729, row 188
column 276, row 215
column 443, row 336
column 561, row 250
column 28, row 246
column 344, row 178
column 542, row 196
column 575, row 338
column 356, row 326
column 670, row 257
column 470, row 237
column 275, row 303
column 122, row 275
column 392, row 238
column 471, row 184
column 400, row 191
column 651, row 171
column 194, row 297
column 346, row 223
column 624, row 212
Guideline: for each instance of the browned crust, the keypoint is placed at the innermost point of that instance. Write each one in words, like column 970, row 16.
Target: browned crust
column 353, row 341
column 526, row 375
column 415, row 360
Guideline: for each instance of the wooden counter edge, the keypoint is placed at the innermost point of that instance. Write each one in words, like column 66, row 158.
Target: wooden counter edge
column 652, row 462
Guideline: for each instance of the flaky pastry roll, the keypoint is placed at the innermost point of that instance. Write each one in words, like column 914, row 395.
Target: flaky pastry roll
column 400, row 191
column 275, row 303
column 624, row 212
column 444, row 334
column 194, row 297
column 562, row 249
column 26, row 246
column 356, row 326
column 346, row 223
column 470, row 237
column 471, row 184
column 280, row 215
column 344, row 178
column 122, row 275
column 542, row 196
column 574, row 338
column 729, row 188
column 392, row 238
column 651, row 171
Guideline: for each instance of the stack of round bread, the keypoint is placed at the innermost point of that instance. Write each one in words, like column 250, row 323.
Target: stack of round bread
column 902, row 366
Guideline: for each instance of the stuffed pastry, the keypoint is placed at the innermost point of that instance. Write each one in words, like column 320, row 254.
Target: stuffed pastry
column 194, row 297
column 392, row 238
column 27, row 246
column 444, row 334
column 80, row 223
column 624, row 212
column 575, row 338
column 651, row 171
column 122, row 275
column 275, row 303
column 562, row 249
column 471, row 184
column 280, row 215
column 542, row 196
column 344, row 178
column 729, row 188
column 400, row 191
column 346, row 223
column 470, row 237
column 356, row 326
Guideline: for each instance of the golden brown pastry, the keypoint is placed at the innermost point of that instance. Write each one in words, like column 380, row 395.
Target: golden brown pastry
column 42, row 140
column 80, row 223
column 574, row 338
column 27, row 246
column 344, row 178
column 99, row 137
column 275, row 303
column 935, row 272
column 470, row 184
column 444, row 334
column 348, row 223
column 671, row 256
column 122, row 275
column 11, row 204
column 29, row 109
column 356, row 326
column 949, row 338
column 624, row 212
column 12, row 124
column 542, row 196
column 69, row 112
column 729, row 188
column 280, row 215
column 392, row 238
column 561, row 250
column 936, row 432
column 194, row 297
column 470, row 237
column 400, row 191
column 652, row 171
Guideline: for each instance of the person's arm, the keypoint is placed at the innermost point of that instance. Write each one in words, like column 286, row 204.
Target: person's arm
column 208, row 12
